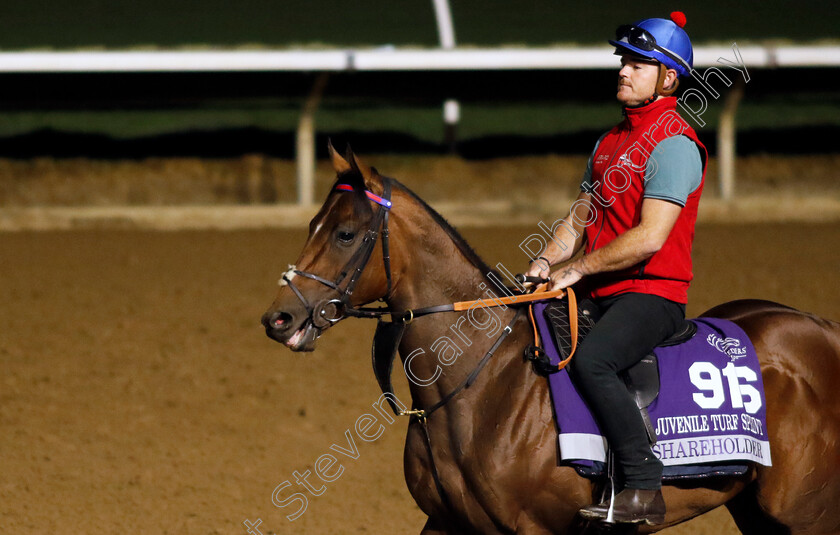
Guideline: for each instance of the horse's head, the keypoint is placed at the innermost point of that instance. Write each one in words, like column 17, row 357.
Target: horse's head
column 341, row 265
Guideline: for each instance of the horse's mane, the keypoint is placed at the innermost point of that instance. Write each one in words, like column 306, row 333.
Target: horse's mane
column 453, row 234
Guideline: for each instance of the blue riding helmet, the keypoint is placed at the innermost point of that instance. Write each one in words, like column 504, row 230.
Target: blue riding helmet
column 658, row 39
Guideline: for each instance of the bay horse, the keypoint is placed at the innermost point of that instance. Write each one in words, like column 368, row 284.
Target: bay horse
column 487, row 461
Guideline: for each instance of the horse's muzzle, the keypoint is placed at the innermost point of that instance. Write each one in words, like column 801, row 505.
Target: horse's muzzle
column 279, row 326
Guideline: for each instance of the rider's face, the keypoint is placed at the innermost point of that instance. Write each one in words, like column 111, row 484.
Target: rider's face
column 636, row 80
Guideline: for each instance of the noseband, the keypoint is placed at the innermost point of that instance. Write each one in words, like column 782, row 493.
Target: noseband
column 330, row 311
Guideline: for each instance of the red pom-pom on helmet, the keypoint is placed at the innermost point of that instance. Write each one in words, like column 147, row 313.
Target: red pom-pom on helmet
column 679, row 18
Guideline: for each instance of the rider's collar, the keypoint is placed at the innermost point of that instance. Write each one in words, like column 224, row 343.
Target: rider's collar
column 635, row 115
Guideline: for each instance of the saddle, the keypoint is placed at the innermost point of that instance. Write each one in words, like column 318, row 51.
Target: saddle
column 571, row 321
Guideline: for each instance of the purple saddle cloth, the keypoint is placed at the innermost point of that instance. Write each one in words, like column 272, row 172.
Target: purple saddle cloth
column 709, row 417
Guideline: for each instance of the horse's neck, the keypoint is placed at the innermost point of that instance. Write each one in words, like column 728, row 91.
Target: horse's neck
column 428, row 266
column 445, row 347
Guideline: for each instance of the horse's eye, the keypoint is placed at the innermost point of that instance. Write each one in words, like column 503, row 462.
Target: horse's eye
column 345, row 236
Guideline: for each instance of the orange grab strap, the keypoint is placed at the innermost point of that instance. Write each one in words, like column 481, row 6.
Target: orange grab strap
column 573, row 322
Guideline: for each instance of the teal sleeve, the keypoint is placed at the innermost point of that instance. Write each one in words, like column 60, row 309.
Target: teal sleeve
column 674, row 170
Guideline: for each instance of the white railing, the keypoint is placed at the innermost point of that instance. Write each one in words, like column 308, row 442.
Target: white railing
column 392, row 59
column 388, row 59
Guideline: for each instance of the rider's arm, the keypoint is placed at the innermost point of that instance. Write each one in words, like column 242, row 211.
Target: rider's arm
column 628, row 249
column 675, row 173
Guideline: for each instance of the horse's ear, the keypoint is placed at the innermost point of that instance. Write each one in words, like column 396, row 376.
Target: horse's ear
column 339, row 164
column 368, row 173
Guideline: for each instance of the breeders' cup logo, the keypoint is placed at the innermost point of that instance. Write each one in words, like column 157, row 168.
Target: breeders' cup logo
column 623, row 160
column 730, row 346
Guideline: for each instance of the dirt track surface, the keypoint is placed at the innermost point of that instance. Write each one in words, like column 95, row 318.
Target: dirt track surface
column 139, row 394
column 257, row 179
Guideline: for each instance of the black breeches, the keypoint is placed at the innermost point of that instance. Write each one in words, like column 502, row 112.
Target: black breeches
column 631, row 325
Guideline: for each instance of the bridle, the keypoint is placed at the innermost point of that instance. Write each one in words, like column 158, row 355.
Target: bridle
column 330, row 311
column 327, row 312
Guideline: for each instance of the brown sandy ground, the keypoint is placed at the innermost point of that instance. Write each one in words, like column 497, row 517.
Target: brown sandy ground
column 139, row 394
column 256, row 179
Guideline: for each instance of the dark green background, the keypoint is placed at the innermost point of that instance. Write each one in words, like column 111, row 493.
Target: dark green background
column 121, row 23
column 137, row 115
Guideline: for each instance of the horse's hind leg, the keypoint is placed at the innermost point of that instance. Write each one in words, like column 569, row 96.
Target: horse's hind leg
column 800, row 366
column 749, row 517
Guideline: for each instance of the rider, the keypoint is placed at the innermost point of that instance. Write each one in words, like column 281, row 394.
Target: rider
column 635, row 216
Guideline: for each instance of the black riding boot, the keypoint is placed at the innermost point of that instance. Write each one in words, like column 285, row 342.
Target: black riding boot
column 631, row 506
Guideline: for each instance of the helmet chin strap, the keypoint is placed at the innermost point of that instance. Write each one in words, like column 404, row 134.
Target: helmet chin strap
column 647, row 101
column 660, row 88
column 660, row 83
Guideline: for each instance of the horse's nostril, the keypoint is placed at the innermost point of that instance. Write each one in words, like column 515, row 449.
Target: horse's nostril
column 280, row 320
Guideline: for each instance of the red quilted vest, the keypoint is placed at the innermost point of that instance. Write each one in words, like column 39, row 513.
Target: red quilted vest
column 618, row 170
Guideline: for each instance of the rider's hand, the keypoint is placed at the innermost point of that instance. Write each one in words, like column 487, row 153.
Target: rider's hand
column 539, row 268
column 563, row 278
